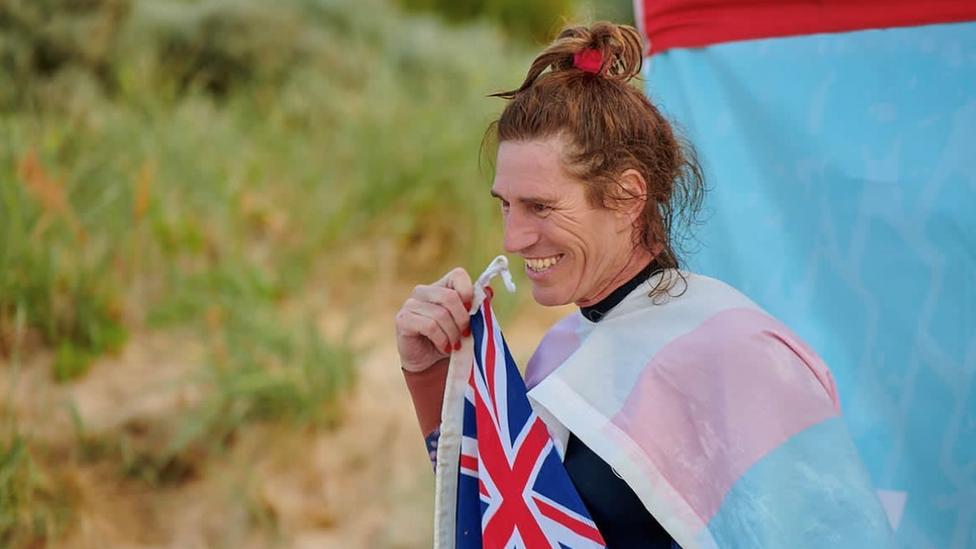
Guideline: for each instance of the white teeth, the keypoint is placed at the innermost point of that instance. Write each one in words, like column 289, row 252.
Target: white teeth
column 539, row 265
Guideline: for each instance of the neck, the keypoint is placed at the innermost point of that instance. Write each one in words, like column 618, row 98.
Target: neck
column 635, row 264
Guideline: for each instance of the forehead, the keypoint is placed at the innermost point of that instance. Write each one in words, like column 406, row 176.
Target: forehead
column 531, row 168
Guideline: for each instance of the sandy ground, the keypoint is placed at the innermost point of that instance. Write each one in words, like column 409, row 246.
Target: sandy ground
column 367, row 484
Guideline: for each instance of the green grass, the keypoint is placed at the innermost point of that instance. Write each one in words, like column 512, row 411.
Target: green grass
column 207, row 166
column 258, row 373
column 35, row 508
column 182, row 185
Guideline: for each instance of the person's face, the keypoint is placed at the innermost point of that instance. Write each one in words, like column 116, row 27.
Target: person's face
column 574, row 252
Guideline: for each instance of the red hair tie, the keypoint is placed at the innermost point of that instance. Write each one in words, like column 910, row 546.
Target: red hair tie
column 588, row 60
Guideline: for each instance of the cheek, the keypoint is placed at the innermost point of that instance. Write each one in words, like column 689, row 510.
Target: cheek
column 569, row 232
column 601, row 240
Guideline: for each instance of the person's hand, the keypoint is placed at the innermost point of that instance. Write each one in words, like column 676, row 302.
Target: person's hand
column 433, row 320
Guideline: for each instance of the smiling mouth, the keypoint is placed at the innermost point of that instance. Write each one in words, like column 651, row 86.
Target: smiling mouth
column 539, row 265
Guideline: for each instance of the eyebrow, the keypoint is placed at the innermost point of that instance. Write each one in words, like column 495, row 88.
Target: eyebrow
column 548, row 201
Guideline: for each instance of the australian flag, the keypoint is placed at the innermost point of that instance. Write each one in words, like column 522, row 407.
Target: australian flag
column 513, row 491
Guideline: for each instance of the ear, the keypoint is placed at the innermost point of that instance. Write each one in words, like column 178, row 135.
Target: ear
column 633, row 192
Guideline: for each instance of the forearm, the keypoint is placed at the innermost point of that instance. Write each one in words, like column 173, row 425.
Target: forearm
column 427, row 391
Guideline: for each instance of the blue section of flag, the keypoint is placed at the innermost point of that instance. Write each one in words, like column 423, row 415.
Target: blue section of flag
column 470, row 427
column 550, row 482
column 519, row 409
column 468, row 530
column 816, row 501
column 842, row 170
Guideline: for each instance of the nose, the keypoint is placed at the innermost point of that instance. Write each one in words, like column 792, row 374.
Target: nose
column 519, row 232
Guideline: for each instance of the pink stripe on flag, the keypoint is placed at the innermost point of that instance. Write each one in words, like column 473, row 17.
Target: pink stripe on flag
column 704, row 426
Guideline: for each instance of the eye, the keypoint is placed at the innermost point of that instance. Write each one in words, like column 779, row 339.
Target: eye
column 505, row 205
column 540, row 208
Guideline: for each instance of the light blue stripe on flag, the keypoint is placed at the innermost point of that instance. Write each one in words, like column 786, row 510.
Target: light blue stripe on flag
column 843, row 175
column 814, row 504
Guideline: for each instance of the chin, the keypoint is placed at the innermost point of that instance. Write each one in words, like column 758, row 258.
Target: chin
column 548, row 298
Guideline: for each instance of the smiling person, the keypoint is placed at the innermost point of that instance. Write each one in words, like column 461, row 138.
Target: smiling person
column 683, row 412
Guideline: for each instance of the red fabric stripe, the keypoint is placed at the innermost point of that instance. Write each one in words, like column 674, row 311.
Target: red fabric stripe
column 695, row 23
column 490, row 364
column 580, row 528
column 469, row 462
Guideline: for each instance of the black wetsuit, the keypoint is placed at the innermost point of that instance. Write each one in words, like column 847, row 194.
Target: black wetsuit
column 618, row 513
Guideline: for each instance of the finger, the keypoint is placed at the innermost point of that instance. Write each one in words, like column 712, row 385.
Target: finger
column 451, row 302
column 421, row 319
column 460, row 281
column 451, row 320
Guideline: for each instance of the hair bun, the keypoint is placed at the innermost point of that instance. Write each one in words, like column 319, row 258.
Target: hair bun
column 619, row 47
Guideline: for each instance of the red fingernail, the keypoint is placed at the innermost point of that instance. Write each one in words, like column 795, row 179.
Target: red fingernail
column 466, row 332
column 457, row 346
column 447, row 350
column 467, row 305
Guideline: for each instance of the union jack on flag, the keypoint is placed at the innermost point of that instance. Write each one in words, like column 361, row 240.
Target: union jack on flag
column 513, row 491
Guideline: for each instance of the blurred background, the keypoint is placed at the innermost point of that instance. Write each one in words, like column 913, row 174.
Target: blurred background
column 210, row 211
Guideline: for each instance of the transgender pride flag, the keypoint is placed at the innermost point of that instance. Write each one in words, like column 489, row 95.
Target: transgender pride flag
column 839, row 140
column 725, row 424
column 722, row 421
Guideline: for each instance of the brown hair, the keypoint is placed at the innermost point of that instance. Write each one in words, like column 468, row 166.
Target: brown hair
column 609, row 126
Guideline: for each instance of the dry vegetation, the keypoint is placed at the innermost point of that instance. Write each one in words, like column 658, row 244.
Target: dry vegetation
column 209, row 211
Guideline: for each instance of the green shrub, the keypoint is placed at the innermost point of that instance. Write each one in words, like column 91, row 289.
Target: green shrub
column 618, row 11
column 345, row 149
column 40, row 38
column 260, row 370
column 35, row 510
column 209, row 168
column 538, row 20
column 218, row 46
column 52, row 272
